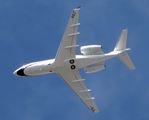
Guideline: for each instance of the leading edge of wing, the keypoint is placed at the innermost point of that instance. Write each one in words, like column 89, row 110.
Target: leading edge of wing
column 67, row 48
column 76, row 83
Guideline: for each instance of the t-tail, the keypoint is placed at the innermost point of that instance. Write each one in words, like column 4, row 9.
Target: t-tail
column 121, row 49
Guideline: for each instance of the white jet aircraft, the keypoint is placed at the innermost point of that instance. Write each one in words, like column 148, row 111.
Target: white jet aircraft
column 67, row 63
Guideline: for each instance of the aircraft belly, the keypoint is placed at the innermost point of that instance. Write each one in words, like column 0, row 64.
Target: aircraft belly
column 85, row 61
column 37, row 70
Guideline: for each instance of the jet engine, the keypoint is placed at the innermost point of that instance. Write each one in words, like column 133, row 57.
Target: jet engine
column 91, row 50
column 94, row 67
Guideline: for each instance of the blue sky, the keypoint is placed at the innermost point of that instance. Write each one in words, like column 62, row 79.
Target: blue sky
column 31, row 30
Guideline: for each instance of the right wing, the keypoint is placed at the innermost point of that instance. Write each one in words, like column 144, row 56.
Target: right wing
column 76, row 83
column 67, row 48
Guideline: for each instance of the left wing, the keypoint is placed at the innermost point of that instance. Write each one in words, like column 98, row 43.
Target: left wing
column 76, row 83
column 67, row 48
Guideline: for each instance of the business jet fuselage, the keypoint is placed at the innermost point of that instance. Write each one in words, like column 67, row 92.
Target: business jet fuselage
column 48, row 66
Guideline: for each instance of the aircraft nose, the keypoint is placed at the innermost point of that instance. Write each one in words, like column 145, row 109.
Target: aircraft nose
column 15, row 72
column 19, row 72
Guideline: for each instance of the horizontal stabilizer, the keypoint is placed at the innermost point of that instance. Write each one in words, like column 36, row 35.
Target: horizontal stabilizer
column 126, row 60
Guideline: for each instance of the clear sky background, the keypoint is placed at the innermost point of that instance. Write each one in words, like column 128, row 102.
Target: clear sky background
column 31, row 30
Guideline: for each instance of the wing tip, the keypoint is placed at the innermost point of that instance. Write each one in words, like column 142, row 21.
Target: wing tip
column 96, row 111
column 79, row 6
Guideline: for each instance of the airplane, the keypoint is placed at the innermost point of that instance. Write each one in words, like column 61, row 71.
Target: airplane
column 66, row 63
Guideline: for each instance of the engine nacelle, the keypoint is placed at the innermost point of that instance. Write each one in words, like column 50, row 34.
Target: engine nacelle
column 94, row 68
column 91, row 50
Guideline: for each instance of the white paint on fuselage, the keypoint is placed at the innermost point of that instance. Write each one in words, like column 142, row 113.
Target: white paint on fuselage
column 37, row 68
column 41, row 67
column 48, row 66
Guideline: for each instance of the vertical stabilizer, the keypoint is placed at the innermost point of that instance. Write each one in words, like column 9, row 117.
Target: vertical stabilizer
column 121, row 47
column 121, row 44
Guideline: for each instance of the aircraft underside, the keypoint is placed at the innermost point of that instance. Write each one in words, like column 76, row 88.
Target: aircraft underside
column 66, row 63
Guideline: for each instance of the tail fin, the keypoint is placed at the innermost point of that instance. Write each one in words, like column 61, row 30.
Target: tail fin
column 121, row 46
